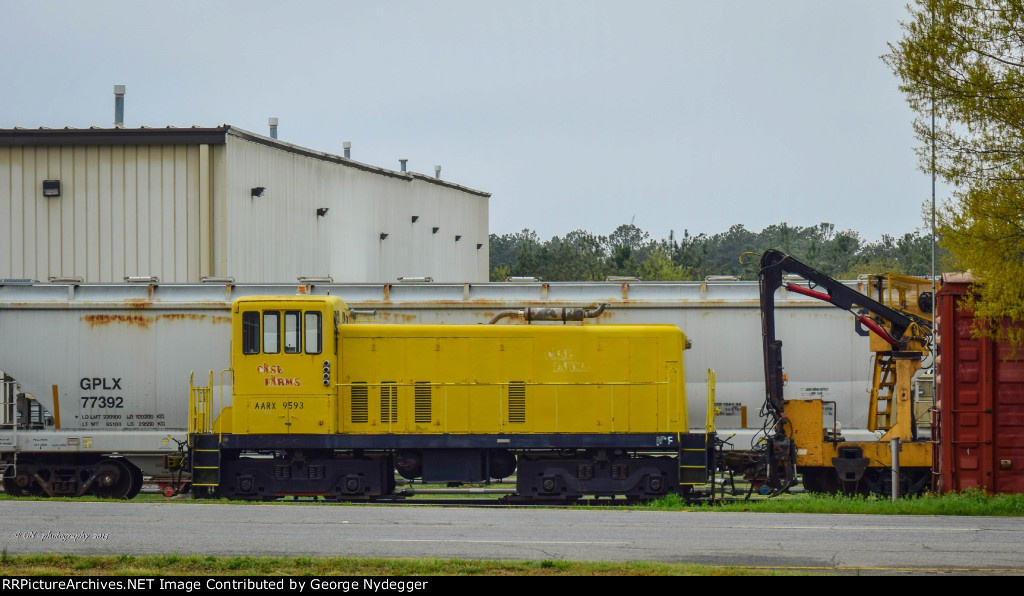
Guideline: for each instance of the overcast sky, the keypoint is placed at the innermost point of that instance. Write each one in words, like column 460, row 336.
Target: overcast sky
column 670, row 114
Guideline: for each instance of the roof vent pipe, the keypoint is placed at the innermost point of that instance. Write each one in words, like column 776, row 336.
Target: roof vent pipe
column 348, row 149
column 273, row 127
column 119, row 106
column 402, row 161
column 437, row 171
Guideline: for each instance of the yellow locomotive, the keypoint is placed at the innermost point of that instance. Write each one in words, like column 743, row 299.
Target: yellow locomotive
column 327, row 406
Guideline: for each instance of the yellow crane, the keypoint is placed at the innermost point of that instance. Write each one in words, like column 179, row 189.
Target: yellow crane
column 800, row 441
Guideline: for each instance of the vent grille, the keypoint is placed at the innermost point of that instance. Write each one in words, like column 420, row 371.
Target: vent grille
column 388, row 402
column 516, row 402
column 359, row 403
column 423, row 402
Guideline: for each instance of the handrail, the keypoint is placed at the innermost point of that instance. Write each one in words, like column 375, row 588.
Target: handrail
column 220, row 406
column 199, row 419
column 709, row 424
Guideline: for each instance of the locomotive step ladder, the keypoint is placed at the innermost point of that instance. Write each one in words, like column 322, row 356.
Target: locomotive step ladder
column 204, row 444
column 206, row 460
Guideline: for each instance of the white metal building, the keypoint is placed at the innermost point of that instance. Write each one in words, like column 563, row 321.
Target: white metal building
column 181, row 204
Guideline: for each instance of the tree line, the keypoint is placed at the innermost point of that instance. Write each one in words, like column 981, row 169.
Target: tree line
column 629, row 251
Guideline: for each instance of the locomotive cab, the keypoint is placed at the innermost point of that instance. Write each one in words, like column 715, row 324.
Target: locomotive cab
column 283, row 359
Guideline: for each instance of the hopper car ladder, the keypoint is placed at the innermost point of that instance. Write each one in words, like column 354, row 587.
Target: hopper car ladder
column 8, row 421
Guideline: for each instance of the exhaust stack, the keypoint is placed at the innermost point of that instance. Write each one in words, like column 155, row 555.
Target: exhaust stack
column 542, row 313
column 119, row 106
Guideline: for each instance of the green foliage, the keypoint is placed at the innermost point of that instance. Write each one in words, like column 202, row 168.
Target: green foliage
column 960, row 68
column 505, row 249
column 659, row 266
column 152, row 566
column 910, row 254
column 501, row 272
column 965, row 503
column 629, row 251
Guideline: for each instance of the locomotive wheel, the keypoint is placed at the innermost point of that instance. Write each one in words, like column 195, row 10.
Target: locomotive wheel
column 116, row 480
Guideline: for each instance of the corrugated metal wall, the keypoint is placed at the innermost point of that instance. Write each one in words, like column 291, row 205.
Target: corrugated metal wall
column 980, row 403
column 122, row 211
column 280, row 237
column 185, row 209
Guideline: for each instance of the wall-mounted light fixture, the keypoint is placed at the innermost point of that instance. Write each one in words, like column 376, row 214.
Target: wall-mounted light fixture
column 321, row 211
column 436, row 229
column 414, row 218
column 479, row 245
column 257, row 191
column 51, row 188
column 457, row 238
column 383, row 235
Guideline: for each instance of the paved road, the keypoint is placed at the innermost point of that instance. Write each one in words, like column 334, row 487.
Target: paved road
column 869, row 543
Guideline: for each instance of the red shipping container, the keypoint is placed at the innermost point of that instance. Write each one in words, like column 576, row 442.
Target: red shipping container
column 978, row 427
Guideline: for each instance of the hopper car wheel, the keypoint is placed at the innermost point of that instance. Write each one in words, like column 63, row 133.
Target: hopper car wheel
column 117, row 479
column 136, row 480
column 23, row 484
column 11, row 487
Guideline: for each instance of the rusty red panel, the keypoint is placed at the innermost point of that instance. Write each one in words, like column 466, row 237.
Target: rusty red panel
column 98, row 320
column 980, row 403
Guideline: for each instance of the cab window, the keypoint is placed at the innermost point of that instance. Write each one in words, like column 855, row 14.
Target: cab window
column 292, row 332
column 314, row 337
column 298, row 332
column 251, row 332
column 271, row 332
